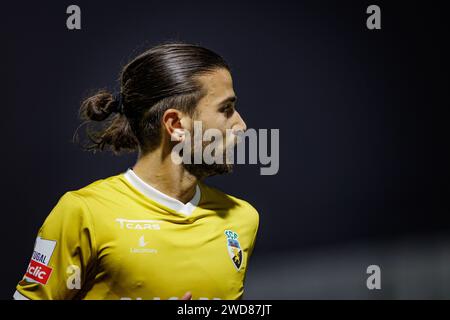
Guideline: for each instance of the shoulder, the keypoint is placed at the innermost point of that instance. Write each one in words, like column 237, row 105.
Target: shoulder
column 77, row 202
column 102, row 188
column 69, row 213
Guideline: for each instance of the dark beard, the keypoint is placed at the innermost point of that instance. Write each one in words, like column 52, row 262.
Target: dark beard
column 203, row 170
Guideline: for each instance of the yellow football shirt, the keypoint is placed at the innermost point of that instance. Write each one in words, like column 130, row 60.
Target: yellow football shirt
column 120, row 238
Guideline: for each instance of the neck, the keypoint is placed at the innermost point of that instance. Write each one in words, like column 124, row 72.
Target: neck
column 158, row 170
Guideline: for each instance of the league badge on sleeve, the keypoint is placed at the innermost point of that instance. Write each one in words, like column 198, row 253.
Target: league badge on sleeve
column 38, row 269
column 234, row 248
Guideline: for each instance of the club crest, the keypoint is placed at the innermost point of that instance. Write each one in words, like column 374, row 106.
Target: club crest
column 234, row 248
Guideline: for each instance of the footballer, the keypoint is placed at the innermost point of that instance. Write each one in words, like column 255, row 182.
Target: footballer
column 156, row 230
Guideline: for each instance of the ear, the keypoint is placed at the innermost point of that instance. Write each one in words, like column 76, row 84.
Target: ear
column 172, row 124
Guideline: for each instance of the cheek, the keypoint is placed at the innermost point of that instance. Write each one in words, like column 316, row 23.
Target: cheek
column 220, row 122
column 216, row 121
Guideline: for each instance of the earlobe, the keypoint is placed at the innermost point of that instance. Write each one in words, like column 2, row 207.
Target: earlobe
column 178, row 134
column 172, row 124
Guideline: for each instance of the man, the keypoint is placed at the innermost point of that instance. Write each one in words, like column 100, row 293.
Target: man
column 156, row 231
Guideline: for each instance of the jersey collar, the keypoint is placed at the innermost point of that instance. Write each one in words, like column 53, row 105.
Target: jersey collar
column 158, row 196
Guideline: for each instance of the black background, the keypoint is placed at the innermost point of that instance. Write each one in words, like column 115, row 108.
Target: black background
column 364, row 151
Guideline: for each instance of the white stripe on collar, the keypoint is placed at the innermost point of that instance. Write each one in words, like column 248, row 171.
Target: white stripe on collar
column 162, row 198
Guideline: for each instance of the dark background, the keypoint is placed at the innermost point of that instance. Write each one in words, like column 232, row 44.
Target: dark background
column 363, row 116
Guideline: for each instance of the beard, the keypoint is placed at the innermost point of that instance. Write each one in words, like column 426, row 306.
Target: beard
column 203, row 170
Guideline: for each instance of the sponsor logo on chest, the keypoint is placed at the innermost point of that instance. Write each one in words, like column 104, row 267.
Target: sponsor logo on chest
column 142, row 247
column 138, row 224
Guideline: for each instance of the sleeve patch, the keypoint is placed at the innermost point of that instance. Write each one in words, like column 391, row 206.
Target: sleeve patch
column 38, row 269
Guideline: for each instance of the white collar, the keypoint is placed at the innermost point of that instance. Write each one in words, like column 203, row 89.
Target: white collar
column 162, row 198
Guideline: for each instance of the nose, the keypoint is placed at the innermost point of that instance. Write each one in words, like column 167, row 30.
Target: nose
column 240, row 123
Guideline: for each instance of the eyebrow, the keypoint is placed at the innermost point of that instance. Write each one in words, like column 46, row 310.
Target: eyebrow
column 229, row 99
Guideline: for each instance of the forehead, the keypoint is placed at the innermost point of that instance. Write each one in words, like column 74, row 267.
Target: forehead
column 218, row 86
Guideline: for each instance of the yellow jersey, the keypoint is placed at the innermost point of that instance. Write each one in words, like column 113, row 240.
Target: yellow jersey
column 120, row 238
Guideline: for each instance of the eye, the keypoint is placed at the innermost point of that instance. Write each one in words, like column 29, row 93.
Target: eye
column 228, row 110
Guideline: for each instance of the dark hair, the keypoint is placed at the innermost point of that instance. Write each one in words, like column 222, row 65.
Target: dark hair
column 162, row 77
